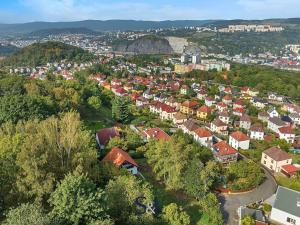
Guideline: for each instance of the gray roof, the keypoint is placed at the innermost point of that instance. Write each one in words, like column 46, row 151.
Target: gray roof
column 286, row 200
column 254, row 213
column 277, row 121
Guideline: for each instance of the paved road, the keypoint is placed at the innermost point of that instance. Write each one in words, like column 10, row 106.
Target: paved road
column 230, row 203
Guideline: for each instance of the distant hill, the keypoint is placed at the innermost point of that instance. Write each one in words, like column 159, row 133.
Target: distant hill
column 6, row 50
column 58, row 31
column 96, row 25
column 149, row 44
column 41, row 53
column 123, row 25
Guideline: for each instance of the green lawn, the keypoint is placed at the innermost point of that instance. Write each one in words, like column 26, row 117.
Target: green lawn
column 97, row 120
column 165, row 197
column 292, row 183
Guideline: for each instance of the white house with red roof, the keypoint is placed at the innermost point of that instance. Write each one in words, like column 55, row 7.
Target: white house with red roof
column 219, row 127
column 257, row 132
column 239, row 140
column 238, row 111
column 155, row 133
column 238, row 104
column 116, row 81
column 224, row 117
column 122, row 159
column 203, row 136
column 221, row 106
column 227, row 100
column 224, row 153
column 274, row 158
column 121, row 92
column 165, row 111
column 209, row 101
column 287, row 134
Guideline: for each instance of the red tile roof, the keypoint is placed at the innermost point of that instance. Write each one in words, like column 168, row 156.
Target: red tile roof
column 105, row 134
column 239, row 136
column 286, row 130
column 190, row 104
column 227, row 98
column 224, row 148
column 202, row 132
column 277, row 154
column 205, row 109
column 157, row 133
column 117, row 156
column 257, row 127
column 290, row 169
column 164, row 107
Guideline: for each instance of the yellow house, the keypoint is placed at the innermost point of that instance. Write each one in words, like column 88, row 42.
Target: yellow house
column 203, row 112
column 189, row 107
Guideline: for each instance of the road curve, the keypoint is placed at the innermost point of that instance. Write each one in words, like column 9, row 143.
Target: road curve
column 230, row 203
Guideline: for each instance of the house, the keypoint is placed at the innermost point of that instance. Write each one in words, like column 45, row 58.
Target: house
column 209, row 101
column 224, row 153
column 116, row 81
column 259, row 102
column 274, row 158
column 286, row 207
column 256, row 214
column 219, row 127
column 238, row 104
column 203, row 112
column 104, row 135
column 148, row 94
column 263, row 116
column 275, row 123
column 273, row 113
column 189, row 107
column 245, row 122
column 122, row 159
column 221, row 106
column 290, row 170
column 224, row 117
column 275, row 97
column 179, row 118
column 165, row 112
column 257, row 132
column 160, row 97
column 227, row 100
column 121, row 92
column 155, row 133
column 189, row 126
column 290, row 108
column 141, row 102
column 185, row 90
column 287, row 134
column 171, row 101
column 203, row 136
column 238, row 111
column 239, row 140
column 295, row 117
column 227, row 90
column 201, row 95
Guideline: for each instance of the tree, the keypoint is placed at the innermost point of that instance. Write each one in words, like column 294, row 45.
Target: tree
column 51, row 149
column 248, row 220
column 78, row 200
column 103, row 222
column 121, row 209
column 120, row 109
column 94, row 102
column 210, row 174
column 211, row 208
column 27, row 214
column 174, row 215
column 117, row 142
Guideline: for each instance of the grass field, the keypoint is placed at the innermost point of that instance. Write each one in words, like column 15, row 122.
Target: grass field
column 165, row 197
column 292, row 183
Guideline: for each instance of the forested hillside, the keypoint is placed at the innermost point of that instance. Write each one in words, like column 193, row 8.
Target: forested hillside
column 42, row 53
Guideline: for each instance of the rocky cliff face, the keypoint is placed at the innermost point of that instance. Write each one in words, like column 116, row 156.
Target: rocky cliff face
column 147, row 45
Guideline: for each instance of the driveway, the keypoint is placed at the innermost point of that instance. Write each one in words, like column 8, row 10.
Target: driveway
column 230, row 203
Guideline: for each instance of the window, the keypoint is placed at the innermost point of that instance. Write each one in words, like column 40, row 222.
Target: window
column 265, row 156
column 290, row 220
column 265, row 162
column 272, row 161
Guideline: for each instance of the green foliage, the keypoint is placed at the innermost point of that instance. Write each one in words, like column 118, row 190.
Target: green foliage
column 42, row 53
column 77, row 200
column 174, row 215
column 94, row 102
column 130, row 188
column 27, row 214
column 267, row 207
column 120, row 109
column 248, row 220
column 244, row 174
column 103, row 222
column 211, row 209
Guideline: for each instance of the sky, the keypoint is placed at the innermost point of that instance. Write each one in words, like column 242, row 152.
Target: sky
column 19, row 11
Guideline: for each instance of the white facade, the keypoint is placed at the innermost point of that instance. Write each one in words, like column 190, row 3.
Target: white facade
column 239, row 144
column 257, row 135
column 273, row 164
column 204, row 141
column 284, row 217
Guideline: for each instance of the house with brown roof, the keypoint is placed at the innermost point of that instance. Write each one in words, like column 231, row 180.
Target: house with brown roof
column 189, row 126
column 224, row 153
column 287, row 134
column 227, row 100
column 155, row 133
column 257, row 132
column 275, row 123
column 239, row 140
column 189, row 107
column 245, row 122
column 209, row 101
column 274, row 158
column 219, row 127
column 203, row 112
column 224, row 117
column 203, row 137
column 122, row 159
column 221, row 106
column 179, row 118
column 104, row 135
